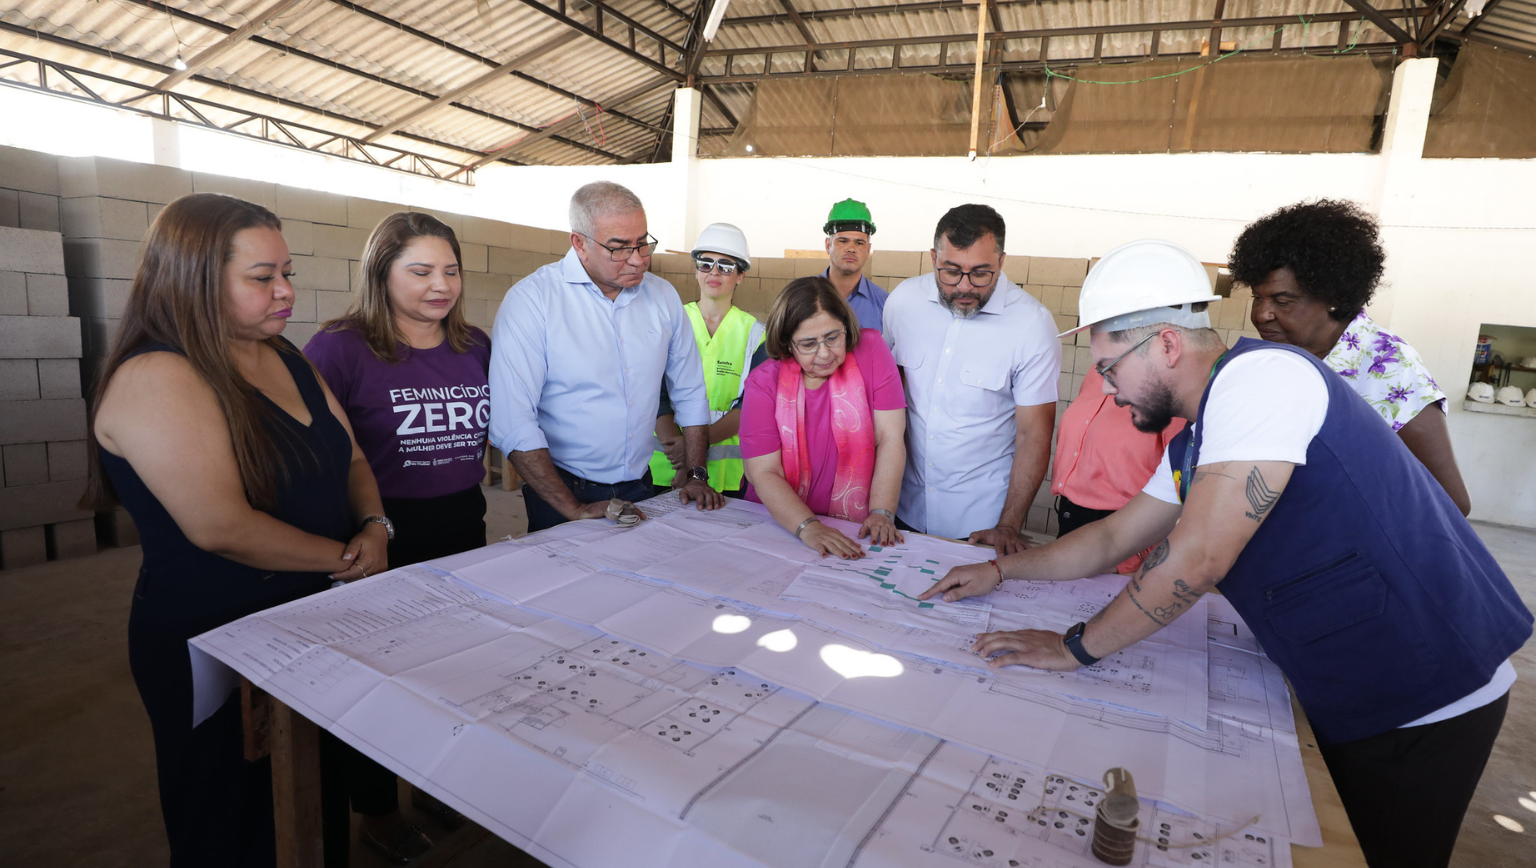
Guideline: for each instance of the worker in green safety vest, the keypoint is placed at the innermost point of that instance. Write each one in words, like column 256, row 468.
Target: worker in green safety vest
column 727, row 338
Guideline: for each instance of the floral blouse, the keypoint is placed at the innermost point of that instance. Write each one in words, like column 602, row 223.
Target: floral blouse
column 1385, row 371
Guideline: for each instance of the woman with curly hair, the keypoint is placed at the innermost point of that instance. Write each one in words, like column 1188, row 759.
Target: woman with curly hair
column 1313, row 267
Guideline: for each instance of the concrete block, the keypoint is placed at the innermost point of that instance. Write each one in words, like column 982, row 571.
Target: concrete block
column 18, row 380
column 32, row 171
column 492, row 233
column 508, row 261
column 311, row 205
column 71, row 539
column 476, row 257
column 531, row 239
column 896, row 263
column 1069, row 299
column 1050, row 296
column 775, row 267
column 491, row 287
column 25, row 463
column 559, row 241
column 42, row 421
column 38, row 211
column 58, row 378
column 116, row 528
column 809, row 267
column 299, row 333
column 672, row 263
column 1017, row 269
column 1049, row 270
column 99, row 217
column 39, row 337
column 263, row 193
column 32, row 251
column 101, row 257
column 13, row 293
column 99, row 296
column 300, row 235
column 322, row 273
column 99, row 334
column 66, row 460
column 339, row 242
column 354, row 273
column 479, row 312
column 365, row 214
column 1082, row 359
column 303, row 306
column 121, row 179
column 1064, row 322
column 1036, row 520
column 1064, row 385
column 10, row 208
column 330, row 305
column 47, row 295
column 23, row 547
column 1077, row 386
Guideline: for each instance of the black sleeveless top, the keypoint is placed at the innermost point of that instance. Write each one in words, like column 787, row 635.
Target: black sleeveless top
column 181, row 583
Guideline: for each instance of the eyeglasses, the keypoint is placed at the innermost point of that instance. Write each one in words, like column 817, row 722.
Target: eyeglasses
column 1103, row 370
column 979, row 277
column 725, row 266
column 809, row 346
column 620, row 254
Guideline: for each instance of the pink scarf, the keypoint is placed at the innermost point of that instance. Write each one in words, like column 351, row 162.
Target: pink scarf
column 852, row 427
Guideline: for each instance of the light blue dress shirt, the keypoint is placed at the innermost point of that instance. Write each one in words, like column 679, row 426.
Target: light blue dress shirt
column 867, row 301
column 581, row 375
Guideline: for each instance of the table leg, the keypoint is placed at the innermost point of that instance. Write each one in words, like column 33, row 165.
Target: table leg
column 296, row 788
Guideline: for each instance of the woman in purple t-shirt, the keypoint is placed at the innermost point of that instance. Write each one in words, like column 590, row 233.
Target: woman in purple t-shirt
column 412, row 377
column 822, row 422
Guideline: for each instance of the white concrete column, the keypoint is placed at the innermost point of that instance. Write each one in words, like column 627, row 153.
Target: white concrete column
column 685, row 163
column 166, row 142
column 1402, row 151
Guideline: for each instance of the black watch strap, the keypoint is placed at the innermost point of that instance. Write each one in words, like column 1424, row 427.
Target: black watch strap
column 1074, row 643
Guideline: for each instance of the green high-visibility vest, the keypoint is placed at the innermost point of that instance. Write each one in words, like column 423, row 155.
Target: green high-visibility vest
column 727, row 359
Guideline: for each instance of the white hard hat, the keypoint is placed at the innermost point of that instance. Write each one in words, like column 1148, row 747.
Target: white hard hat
column 1530, row 398
column 1528, row 362
column 1144, row 283
column 724, row 238
column 1510, row 396
column 1482, row 393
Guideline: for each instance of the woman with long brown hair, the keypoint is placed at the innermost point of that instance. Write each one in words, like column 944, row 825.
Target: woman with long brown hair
column 412, row 376
column 243, row 478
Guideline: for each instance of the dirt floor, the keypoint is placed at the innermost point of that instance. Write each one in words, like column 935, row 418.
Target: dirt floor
column 77, row 773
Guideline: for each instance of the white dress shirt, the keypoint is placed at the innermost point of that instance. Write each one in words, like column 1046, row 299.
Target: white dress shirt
column 581, row 375
column 964, row 377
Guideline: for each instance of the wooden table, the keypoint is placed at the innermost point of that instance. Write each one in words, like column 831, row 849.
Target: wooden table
column 293, row 742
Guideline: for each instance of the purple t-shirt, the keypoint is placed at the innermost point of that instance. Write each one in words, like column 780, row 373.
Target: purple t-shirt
column 760, row 431
column 420, row 421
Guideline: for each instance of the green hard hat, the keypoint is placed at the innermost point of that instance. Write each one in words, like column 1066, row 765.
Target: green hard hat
column 849, row 214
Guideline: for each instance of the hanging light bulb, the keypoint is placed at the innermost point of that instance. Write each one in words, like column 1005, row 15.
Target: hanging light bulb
column 178, row 64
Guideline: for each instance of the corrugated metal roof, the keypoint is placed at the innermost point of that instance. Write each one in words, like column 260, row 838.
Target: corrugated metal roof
column 353, row 66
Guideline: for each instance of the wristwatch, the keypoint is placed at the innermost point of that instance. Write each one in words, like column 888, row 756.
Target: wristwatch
column 389, row 526
column 701, row 473
column 1074, row 643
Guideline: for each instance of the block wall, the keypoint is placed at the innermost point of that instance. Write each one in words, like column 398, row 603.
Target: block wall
column 42, row 414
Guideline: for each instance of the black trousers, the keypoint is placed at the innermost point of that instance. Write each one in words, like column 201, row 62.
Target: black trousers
column 1070, row 516
column 1407, row 790
column 542, row 516
column 425, row 528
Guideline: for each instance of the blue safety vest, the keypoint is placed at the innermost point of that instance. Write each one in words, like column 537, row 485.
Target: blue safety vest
column 1365, row 584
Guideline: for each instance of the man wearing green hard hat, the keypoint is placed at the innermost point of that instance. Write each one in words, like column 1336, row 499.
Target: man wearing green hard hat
column 848, row 228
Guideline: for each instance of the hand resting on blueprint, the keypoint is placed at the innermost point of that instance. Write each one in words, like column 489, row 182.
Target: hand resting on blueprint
column 1040, row 649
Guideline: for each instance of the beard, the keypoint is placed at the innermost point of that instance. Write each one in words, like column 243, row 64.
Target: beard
column 1155, row 411
column 981, row 300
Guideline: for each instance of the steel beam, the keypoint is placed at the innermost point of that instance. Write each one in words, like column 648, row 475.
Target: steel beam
column 794, row 16
column 1380, row 19
column 212, row 53
column 1447, row 17
column 661, row 41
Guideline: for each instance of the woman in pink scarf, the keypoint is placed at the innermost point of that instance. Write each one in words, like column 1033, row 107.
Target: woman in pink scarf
column 822, row 422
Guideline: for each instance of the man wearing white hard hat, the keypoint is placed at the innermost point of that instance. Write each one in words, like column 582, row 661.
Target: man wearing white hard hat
column 1354, row 569
column 727, row 337
column 980, row 361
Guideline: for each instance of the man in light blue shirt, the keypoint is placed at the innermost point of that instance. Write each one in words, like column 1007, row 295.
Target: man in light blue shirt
column 578, row 354
column 848, row 228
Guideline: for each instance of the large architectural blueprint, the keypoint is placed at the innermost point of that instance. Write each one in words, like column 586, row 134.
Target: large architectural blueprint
column 703, row 689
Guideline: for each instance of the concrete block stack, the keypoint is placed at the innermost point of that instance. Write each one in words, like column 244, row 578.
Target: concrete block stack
column 42, row 414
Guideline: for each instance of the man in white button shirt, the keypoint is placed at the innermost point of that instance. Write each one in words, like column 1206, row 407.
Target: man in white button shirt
column 980, row 359
column 578, row 353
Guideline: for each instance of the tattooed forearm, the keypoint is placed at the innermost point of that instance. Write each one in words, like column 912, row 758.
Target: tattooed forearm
column 1131, row 593
column 1260, row 496
column 1183, row 597
column 1156, row 557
